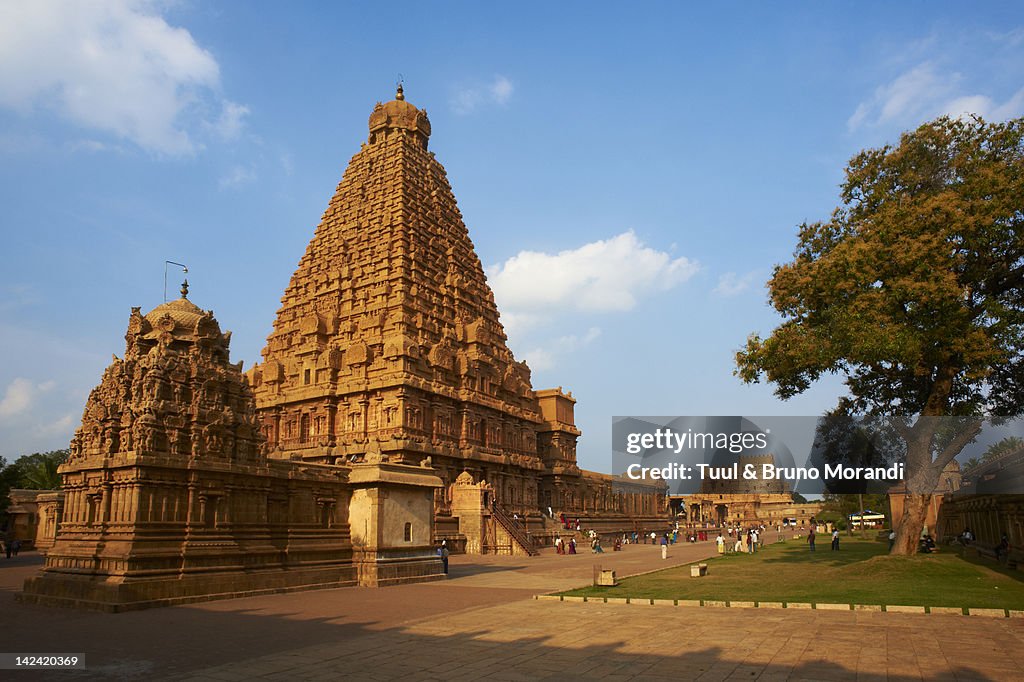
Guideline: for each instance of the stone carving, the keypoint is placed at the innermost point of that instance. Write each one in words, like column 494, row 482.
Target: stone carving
column 173, row 393
column 391, row 287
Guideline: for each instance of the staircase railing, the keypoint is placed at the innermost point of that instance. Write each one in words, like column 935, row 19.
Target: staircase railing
column 514, row 530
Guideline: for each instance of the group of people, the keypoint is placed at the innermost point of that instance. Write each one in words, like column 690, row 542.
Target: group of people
column 812, row 537
column 12, row 547
column 744, row 541
column 567, row 523
column 565, row 547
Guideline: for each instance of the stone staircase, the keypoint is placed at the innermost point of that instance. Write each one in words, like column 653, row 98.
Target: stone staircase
column 516, row 533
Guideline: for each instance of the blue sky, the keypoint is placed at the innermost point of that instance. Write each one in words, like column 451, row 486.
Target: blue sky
column 647, row 163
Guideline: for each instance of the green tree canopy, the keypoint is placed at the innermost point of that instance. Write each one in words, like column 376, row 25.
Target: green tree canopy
column 37, row 471
column 912, row 291
column 1003, row 447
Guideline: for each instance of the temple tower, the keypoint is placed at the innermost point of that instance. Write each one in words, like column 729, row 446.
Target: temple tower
column 388, row 332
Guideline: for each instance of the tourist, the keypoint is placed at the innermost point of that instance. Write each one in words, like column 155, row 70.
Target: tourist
column 617, row 547
column 756, row 536
column 558, row 545
column 892, row 539
column 750, row 542
column 16, row 546
column 720, row 541
column 572, row 545
column 835, row 539
column 442, row 551
column 654, row 538
column 664, row 546
column 1002, row 549
column 810, row 538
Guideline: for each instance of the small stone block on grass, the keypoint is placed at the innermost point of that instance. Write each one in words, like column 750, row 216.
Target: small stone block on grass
column 548, row 597
column 1016, row 614
column 689, row 602
column 742, row 604
column 637, row 600
column 832, row 607
column 798, row 605
column 595, row 600
column 898, row 608
column 616, row 600
column 867, row 607
column 770, row 605
column 949, row 610
column 664, row 602
column 989, row 613
column 579, row 599
column 714, row 603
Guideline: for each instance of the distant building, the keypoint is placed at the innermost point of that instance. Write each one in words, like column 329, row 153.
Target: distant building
column 743, row 502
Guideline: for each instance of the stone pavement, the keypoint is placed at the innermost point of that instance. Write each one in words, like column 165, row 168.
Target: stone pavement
column 483, row 624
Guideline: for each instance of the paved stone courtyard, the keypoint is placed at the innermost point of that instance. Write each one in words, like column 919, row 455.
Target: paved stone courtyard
column 483, row 624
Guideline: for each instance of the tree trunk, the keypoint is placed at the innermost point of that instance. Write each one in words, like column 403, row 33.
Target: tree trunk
column 908, row 534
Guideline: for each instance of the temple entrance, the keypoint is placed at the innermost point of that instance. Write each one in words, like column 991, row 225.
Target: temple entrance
column 721, row 514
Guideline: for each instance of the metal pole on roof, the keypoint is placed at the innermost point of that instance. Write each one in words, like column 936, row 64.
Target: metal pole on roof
column 184, row 268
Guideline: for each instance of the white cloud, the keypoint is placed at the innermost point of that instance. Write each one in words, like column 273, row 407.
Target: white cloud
column 229, row 125
column 501, row 90
column 544, row 358
column 20, row 395
column 927, row 91
column 62, row 428
column 986, row 108
column 730, row 284
column 237, row 177
column 603, row 276
column 906, row 97
column 115, row 66
column 467, row 100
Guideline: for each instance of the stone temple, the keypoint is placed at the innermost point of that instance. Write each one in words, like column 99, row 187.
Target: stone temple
column 387, row 415
column 388, row 335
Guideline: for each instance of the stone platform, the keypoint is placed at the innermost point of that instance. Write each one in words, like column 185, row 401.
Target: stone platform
column 482, row 623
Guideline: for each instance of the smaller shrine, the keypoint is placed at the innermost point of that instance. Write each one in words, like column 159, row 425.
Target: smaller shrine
column 169, row 496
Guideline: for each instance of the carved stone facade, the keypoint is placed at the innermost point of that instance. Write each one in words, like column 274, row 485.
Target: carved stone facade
column 388, row 337
column 169, row 496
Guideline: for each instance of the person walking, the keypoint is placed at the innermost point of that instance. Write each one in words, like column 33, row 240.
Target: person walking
column 572, row 545
column 442, row 551
column 664, row 546
column 720, row 541
column 810, row 538
column 835, row 539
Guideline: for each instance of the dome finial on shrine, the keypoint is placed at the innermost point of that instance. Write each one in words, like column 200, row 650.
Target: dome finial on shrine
column 184, row 289
column 399, row 91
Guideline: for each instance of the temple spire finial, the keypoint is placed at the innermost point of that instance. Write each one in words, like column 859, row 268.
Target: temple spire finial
column 184, row 289
column 399, row 91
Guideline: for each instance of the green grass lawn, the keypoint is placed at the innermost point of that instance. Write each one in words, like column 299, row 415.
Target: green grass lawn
column 862, row 572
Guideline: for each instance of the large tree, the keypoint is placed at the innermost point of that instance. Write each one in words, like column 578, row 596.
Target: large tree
column 37, row 471
column 914, row 291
